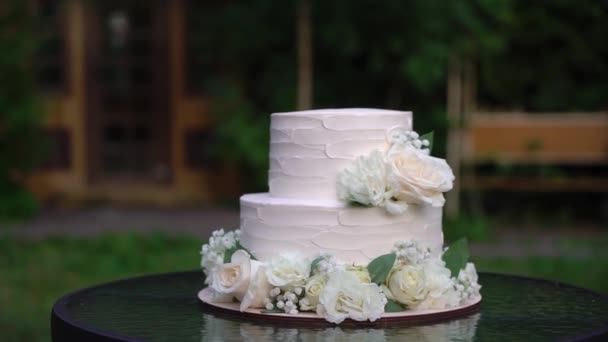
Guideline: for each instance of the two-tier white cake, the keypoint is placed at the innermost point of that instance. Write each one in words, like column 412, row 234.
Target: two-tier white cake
column 350, row 227
column 302, row 211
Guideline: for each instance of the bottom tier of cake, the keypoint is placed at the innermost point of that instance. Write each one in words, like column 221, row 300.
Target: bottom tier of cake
column 352, row 234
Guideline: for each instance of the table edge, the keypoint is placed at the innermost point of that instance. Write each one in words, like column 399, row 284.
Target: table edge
column 78, row 330
column 59, row 315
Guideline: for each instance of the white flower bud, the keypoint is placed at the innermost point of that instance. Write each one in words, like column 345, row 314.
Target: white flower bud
column 228, row 241
column 269, row 306
column 298, row 291
column 266, row 301
column 425, row 142
column 414, row 135
column 275, row 292
column 293, row 312
column 322, row 265
column 280, row 304
column 417, row 143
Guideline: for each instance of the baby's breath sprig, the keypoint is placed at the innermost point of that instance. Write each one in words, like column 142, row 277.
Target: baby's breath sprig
column 280, row 300
column 213, row 253
column 410, row 252
column 401, row 138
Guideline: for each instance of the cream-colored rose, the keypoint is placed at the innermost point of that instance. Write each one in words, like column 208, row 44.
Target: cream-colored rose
column 361, row 272
column 406, row 284
column 312, row 290
column 418, row 178
column 288, row 270
column 233, row 278
column 345, row 296
column 426, row 285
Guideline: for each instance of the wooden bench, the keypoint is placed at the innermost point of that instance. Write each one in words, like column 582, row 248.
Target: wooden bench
column 575, row 140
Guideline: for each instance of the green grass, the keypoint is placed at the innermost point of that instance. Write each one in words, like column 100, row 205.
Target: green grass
column 33, row 274
column 591, row 273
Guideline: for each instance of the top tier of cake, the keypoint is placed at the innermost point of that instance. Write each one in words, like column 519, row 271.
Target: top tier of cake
column 309, row 148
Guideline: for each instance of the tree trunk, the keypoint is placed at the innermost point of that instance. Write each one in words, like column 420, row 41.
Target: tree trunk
column 454, row 111
column 305, row 66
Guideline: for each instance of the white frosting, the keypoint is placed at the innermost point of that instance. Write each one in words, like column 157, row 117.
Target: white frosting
column 302, row 212
column 308, row 148
column 272, row 225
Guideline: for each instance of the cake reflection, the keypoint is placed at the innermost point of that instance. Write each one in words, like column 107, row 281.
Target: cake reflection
column 217, row 329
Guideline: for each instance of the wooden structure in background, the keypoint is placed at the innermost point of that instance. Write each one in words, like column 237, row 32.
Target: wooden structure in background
column 565, row 139
column 305, row 54
column 120, row 109
column 578, row 140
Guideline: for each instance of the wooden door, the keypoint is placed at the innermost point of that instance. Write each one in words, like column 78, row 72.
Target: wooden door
column 127, row 93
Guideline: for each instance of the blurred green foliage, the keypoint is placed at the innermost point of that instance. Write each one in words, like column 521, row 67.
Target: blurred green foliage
column 394, row 54
column 555, row 57
column 21, row 142
column 474, row 228
column 365, row 55
column 34, row 274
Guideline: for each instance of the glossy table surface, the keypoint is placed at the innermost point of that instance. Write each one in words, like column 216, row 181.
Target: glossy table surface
column 165, row 307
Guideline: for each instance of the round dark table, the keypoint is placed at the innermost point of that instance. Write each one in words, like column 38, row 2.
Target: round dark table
column 165, row 308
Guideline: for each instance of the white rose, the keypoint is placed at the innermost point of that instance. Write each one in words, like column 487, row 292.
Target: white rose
column 258, row 289
column 233, row 278
column 406, row 284
column 440, row 285
column 288, row 270
column 418, row 178
column 364, row 181
column 345, row 296
column 312, row 290
column 427, row 285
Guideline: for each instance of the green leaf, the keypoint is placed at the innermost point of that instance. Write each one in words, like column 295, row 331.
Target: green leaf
column 392, row 306
column 314, row 265
column 380, row 267
column 430, row 137
column 228, row 253
column 456, row 256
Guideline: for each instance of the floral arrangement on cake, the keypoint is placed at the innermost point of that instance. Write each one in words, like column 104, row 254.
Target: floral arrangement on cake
column 404, row 174
column 408, row 278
